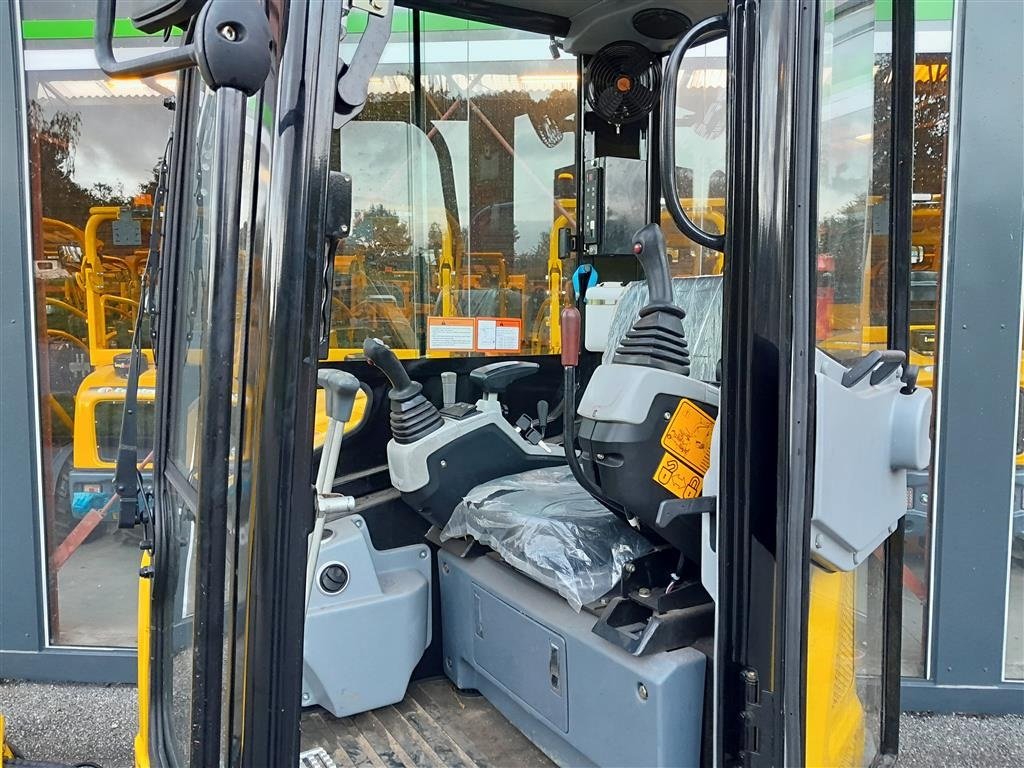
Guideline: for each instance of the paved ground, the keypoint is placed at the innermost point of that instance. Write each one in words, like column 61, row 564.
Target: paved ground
column 88, row 722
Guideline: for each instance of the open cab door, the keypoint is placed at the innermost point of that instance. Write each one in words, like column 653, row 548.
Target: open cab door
column 815, row 433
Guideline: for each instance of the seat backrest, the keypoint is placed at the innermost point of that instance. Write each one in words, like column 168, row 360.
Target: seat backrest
column 701, row 297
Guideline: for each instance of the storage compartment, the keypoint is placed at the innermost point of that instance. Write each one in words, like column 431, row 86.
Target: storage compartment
column 570, row 692
column 504, row 640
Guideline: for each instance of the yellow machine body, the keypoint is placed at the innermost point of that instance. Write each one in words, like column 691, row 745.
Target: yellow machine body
column 835, row 715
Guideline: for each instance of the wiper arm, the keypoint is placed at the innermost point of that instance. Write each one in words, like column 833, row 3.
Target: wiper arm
column 127, row 478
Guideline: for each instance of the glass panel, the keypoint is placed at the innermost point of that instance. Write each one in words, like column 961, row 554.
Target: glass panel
column 193, row 290
column 500, row 113
column 185, row 393
column 381, row 270
column 94, row 145
column 852, row 296
column 931, row 128
column 1013, row 663
column 700, row 152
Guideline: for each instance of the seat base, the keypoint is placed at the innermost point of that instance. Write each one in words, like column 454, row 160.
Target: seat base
column 570, row 692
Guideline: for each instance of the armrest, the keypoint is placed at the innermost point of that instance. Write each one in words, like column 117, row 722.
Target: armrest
column 497, row 377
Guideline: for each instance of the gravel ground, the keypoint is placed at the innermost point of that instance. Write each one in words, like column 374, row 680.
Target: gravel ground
column 961, row 740
column 97, row 723
column 71, row 722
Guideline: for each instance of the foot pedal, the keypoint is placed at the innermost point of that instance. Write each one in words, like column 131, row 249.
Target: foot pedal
column 316, row 758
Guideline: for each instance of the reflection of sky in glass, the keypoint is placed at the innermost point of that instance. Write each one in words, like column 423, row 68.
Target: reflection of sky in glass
column 121, row 139
column 394, row 165
column 533, row 183
column 847, row 102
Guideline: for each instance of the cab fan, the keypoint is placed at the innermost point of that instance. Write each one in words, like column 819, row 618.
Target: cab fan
column 623, row 82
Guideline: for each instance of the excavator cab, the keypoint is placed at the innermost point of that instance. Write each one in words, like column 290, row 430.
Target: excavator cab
column 609, row 498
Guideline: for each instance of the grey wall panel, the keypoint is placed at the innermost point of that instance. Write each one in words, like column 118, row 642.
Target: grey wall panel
column 979, row 350
column 21, row 625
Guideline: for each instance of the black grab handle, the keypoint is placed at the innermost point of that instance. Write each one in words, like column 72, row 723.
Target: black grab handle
column 669, row 185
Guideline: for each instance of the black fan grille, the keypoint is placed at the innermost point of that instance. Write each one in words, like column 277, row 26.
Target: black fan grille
column 623, row 82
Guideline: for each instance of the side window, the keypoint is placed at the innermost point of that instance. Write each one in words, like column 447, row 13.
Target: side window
column 196, row 237
column 700, row 158
column 460, row 183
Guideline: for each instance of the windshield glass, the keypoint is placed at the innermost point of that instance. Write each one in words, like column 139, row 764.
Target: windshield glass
column 456, row 197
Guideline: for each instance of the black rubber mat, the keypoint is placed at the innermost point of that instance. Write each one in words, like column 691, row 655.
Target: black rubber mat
column 435, row 726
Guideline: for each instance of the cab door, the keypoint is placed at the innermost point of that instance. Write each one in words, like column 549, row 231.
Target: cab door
column 807, row 640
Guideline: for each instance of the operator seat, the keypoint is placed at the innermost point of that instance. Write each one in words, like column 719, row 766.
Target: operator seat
column 542, row 522
column 701, row 297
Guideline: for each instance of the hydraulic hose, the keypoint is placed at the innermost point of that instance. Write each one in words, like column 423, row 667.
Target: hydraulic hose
column 570, row 359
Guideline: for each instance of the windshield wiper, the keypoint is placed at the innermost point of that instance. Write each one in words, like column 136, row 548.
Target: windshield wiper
column 127, row 475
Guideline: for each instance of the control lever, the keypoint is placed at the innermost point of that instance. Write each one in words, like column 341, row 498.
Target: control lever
column 412, row 415
column 449, row 379
column 340, row 389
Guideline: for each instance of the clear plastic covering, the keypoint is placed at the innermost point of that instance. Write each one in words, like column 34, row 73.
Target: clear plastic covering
column 701, row 297
column 547, row 527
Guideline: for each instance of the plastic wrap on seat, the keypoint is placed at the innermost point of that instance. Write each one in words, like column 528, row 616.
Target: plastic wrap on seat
column 701, row 297
column 546, row 526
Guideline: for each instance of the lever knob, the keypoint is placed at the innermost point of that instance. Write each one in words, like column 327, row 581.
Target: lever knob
column 571, row 323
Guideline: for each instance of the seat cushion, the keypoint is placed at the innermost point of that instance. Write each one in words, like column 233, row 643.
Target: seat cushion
column 543, row 524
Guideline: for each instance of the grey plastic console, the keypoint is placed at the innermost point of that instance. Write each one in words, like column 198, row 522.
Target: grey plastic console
column 363, row 641
column 580, row 699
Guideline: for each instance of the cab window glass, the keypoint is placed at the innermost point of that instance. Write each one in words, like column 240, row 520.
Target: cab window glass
column 457, row 200
column 193, row 294
column 845, row 656
column 700, row 158
column 505, row 111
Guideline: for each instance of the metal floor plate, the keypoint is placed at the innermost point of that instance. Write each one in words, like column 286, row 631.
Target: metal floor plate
column 435, row 726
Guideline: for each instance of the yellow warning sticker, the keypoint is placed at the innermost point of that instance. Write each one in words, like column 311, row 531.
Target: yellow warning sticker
column 679, row 479
column 688, row 436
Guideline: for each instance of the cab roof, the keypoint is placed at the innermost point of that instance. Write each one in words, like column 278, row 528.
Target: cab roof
column 585, row 25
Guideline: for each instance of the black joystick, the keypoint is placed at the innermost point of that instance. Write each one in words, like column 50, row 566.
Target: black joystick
column 656, row 339
column 412, row 415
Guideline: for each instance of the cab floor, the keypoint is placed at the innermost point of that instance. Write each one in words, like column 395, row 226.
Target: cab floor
column 435, row 726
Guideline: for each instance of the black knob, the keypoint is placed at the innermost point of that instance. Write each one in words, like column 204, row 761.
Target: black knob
column 649, row 247
column 333, row 578
column 380, row 356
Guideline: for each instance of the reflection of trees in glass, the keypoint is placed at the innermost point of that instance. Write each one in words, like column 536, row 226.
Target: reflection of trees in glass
column 842, row 237
column 931, row 122
column 54, row 141
column 383, row 237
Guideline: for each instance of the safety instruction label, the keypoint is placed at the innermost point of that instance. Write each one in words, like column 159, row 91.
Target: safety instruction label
column 451, row 333
column 688, row 436
column 498, row 334
column 679, row 479
column 474, row 334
